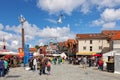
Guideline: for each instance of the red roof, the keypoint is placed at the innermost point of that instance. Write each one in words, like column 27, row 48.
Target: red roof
column 91, row 36
column 110, row 33
column 71, row 40
column 116, row 37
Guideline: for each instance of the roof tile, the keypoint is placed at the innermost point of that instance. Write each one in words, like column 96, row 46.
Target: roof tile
column 91, row 36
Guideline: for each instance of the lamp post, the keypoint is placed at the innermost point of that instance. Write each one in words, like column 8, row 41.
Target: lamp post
column 22, row 20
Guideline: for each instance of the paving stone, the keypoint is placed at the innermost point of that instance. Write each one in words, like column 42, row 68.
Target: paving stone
column 61, row 72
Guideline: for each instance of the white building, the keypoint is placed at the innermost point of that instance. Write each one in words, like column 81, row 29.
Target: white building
column 103, row 42
column 91, row 43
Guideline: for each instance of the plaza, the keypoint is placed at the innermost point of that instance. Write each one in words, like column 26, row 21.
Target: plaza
column 61, row 72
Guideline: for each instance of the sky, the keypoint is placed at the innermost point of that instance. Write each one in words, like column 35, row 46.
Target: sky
column 79, row 17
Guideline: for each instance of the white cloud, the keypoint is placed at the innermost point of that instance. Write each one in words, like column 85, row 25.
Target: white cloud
column 30, row 30
column 106, row 3
column 1, row 26
column 111, row 14
column 68, row 6
column 98, row 22
column 14, row 45
column 109, row 25
column 55, row 6
column 10, row 39
column 13, row 35
column 85, row 7
column 16, row 29
column 56, row 32
column 14, row 42
column 41, row 42
column 108, row 18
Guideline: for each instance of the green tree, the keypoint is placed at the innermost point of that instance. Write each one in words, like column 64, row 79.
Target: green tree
column 37, row 47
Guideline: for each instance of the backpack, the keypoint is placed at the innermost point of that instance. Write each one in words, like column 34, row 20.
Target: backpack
column 48, row 64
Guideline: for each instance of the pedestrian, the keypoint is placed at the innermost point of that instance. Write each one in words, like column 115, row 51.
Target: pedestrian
column 79, row 60
column 70, row 60
column 42, row 66
column 31, row 63
column 1, row 67
column 59, row 60
column 63, row 60
column 54, row 60
column 49, row 67
column 84, row 62
column 100, row 64
column 35, row 64
column 6, row 68
column 90, row 61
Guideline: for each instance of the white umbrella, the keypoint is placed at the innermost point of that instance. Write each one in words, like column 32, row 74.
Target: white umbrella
column 9, row 53
column 55, row 55
column 63, row 55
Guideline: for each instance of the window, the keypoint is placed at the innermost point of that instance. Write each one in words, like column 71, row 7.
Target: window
column 100, row 47
column 90, row 48
column 90, row 41
column 84, row 48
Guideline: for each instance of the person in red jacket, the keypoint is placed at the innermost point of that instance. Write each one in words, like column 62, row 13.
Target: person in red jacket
column 100, row 64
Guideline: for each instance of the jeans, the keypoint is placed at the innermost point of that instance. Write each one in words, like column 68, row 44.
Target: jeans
column 100, row 67
column 1, row 72
column 42, row 70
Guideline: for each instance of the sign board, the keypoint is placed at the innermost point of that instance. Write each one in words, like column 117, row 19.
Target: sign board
column 26, row 54
column 30, row 55
column 117, row 63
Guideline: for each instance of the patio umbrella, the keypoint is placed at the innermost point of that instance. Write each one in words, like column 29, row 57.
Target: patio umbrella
column 98, row 55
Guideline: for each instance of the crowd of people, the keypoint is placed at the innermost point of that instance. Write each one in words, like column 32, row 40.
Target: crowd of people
column 40, row 63
column 43, row 63
column 89, row 61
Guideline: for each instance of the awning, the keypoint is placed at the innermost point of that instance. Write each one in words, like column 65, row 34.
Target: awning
column 98, row 52
column 85, row 53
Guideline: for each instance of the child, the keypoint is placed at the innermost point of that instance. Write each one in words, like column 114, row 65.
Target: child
column 48, row 67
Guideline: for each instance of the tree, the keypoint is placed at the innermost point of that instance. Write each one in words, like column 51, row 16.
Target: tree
column 37, row 47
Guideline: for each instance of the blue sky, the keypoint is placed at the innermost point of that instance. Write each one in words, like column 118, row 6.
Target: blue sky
column 79, row 16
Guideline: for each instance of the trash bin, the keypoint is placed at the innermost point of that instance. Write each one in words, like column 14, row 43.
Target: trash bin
column 110, row 66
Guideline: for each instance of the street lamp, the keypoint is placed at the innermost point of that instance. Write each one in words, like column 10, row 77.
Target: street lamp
column 22, row 20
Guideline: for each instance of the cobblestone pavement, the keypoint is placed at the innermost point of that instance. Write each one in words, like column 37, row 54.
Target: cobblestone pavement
column 61, row 72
